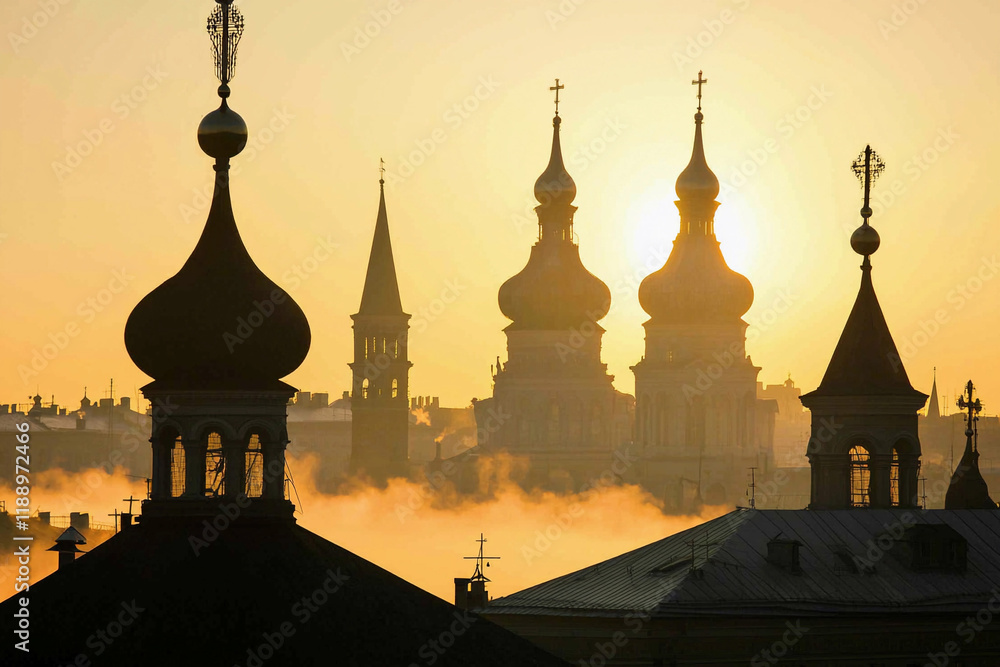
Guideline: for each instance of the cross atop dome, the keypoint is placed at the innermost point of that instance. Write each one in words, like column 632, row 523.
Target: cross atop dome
column 557, row 88
column 699, row 82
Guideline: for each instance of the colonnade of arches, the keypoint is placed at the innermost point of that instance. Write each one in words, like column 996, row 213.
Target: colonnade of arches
column 215, row 461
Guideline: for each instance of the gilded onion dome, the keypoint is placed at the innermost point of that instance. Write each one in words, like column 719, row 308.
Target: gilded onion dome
column 696, row 285
column 554, row 290
column 219, row 323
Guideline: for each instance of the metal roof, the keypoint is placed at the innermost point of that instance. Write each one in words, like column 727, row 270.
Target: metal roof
column 842, row 568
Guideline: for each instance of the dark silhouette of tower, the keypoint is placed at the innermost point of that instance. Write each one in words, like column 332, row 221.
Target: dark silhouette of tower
column 217, row 337
column 864, row 450
column 968, row 489
column 553, row 399
column 379, row 396
column 696, row 388
column 933, row 411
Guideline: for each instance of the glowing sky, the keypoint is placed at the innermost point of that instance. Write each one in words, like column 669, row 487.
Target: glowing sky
column 795, row 91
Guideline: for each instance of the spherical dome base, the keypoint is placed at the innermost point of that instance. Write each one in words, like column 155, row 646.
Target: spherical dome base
column 865, row 240
column 222, row 134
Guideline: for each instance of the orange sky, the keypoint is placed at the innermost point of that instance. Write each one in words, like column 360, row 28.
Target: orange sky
column 126, row 83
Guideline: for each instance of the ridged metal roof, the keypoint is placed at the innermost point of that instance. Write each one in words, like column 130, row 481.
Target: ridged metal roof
column 842, row 568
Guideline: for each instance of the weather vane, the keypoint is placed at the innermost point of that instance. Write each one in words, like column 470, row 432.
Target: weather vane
column 557, row 88
column 225, row 27
column 699, row 82
column 481, row 561
column 974, row 407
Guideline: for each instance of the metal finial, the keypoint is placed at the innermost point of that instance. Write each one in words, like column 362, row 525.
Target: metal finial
column 225, row 27
column 557, row 88
column 381, row 171
column 699, row 82
column 481, row 560
column 867, row 167
column 974, row 407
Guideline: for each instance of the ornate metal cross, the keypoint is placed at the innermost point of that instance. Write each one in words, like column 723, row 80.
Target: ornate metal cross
column 225, row 27
column 557, row 88
column 868, row 167
column 481, row 560
column 974, row 407
column 699, row 82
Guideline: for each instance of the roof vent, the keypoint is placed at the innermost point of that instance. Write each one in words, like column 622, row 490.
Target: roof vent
column 928, row 547
column 784, row 553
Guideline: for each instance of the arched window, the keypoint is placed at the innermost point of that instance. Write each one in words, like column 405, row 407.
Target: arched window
column 366, row 347
column 215, row 466
column 395, row 387
column 364, row 388
column 178, row 469
column 395, row 348
column 860, row 476
column 254, row 468
column 894, row 479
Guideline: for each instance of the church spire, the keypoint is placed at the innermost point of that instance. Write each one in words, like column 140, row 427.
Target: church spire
column 555, row 188
column 968, row 489
column 865, row 361
column 381, row 292
column 933, row 411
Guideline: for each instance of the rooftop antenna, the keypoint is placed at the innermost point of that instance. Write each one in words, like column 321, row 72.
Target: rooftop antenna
column 481, row 561
column 753, row 487
column 923, row 493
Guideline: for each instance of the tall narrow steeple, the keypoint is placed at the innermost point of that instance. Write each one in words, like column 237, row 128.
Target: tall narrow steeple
column 874, row 458
column 380, row 388
column 933, row 411
column 381, row 292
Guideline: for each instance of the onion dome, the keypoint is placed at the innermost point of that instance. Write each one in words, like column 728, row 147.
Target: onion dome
column 219, row 323
column 696, row 286
column 968, row 490
column 554, row 290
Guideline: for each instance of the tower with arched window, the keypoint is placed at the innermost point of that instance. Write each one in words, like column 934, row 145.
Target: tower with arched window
column 864, row 450
column 695, row 386
column 379, row 394
column 553, row 399
column 217, row 338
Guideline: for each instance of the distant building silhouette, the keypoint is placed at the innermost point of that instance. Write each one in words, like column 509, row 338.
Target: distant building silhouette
column 553, row 399
column 697, row 409
column 380, row 390
column 862, row 577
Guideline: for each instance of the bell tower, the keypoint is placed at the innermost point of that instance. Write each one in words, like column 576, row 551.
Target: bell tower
column 217, row 337
column 864, row 450
column 381, row 367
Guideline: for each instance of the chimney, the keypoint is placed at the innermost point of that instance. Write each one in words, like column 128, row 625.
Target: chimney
column 321, row 400
column 126, row 521
column 79, row 520
column 81, row 421
column 437, row 401
column 478, row 597
column 125, row 402
column 346, row 395
column 66, row 546
column 45, row 517
column 461, row 592
column 302, row 398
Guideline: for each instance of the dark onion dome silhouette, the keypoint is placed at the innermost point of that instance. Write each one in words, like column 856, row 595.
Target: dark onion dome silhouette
column 696, row 285
column 554, row 290
column 968, row 489
column 220, row 322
